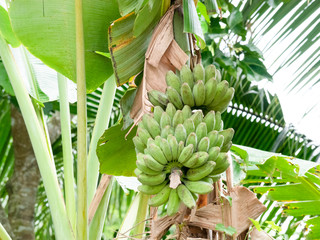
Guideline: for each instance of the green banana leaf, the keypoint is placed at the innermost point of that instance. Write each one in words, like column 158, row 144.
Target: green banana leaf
column 299, row 196
column 129, row 38
column 191, row 21
column 47, row 30
column 6, row 28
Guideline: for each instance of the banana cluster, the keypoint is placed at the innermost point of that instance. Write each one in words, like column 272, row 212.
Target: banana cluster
column 200, row 89
column 180, row 154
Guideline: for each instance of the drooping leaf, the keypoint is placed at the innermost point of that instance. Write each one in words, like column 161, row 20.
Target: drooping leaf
column 47, row 29
column 116, row 153
column 147, row 17
column 191, row 21
column 129, row 38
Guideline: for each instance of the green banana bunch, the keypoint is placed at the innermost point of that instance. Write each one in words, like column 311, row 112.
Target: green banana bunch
column 180, row 143
column 200, row 89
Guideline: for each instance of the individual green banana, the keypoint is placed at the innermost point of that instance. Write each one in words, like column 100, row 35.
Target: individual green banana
column 198, row 72
column 165, row 120
column 218, row 123
column 201, row 131
column 152, row 163
column 186, row 76
column 222, row 164
column 192, row 139
column 171, row 110
column 173, row 203
column 225, row 101
column 199, row 93
column 199, row 187
column 165, row 147
column 174, row 97
column 157, row 154
column 187, row 112
column 186, row 153
column 151, row 190
column 157, row 140
column 173, row 80
column 227, row 134
column 195, row 174
column 161, row 197
column 180, row 147
column 177, row 119
column 186, row 196
column 210, row 120
column 152, row 125
column 151, row 141
column 218, row 75
column 207, row 179
column 189, row 126
column 197, row 118
column 141, row 165
column 210, row 72
column 157, row 113
column 213, row 136
column 214, row 177
column 222, row 88
column 138, row 144
column 158, row 98
column 154, row 180
column 202, row 159
column 166, row 131
column 192, row 160
column 174, row 146
column 226, row 147
column 220, row 141
column 187, row 95
column 143, row 135
column 180, row 133
column 210, row 91
column 213, row 153
column 137, row 172
column 203, row 145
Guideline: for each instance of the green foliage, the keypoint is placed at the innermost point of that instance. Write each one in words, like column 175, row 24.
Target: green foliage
column 129, row 39
column 47, row 29
column 115, row 152
column 191, row 21
column 227, row 230
column 292, row 183
column 6, row 28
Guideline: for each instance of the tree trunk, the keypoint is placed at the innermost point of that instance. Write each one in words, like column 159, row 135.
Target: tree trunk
column 23, row 185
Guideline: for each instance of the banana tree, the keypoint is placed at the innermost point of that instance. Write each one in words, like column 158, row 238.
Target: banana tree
column 80, row 53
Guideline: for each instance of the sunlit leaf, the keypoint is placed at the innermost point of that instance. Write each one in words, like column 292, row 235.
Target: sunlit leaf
column 116, row 153
column 47, row 29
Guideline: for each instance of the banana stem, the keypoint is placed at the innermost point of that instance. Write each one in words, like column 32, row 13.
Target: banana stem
column 3, row 233
column 175, row 178
column 61, row 222
column 101, row 123
column 82, row 203
column 67, row 149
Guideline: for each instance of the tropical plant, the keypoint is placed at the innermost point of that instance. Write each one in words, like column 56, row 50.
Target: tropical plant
column 79, row 52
